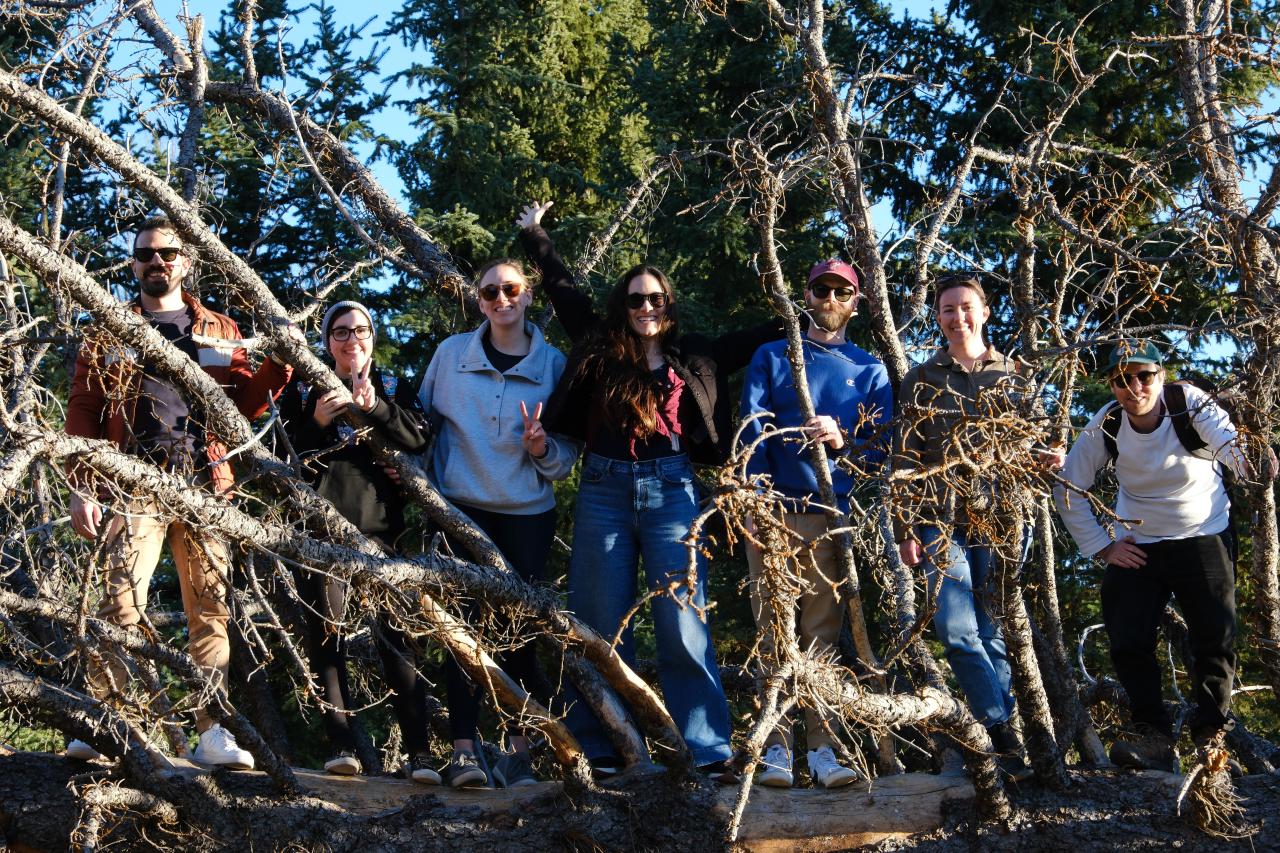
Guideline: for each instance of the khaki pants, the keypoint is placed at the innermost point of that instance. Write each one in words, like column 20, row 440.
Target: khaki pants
column 203, row 566
column 821, row 614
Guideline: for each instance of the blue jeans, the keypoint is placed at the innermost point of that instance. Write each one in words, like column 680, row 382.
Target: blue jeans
column 628, row 513
column 975, row 647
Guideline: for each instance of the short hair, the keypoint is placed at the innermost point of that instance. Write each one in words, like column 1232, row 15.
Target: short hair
column 159, row 222
column 971, row 280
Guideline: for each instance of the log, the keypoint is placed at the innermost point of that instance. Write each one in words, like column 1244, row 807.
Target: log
column 813, row 819
column 379, row 796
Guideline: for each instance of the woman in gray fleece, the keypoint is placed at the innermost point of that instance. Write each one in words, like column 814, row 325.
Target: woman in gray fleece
column 494, row 462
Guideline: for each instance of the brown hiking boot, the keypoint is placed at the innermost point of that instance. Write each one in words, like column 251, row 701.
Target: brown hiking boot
column 1150, row 749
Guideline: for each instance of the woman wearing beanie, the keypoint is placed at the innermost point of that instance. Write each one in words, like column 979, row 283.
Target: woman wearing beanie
column 343, row 470
column 494, row 462
column 648, row 402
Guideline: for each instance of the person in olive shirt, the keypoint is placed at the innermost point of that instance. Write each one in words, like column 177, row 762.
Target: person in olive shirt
column 942, row 403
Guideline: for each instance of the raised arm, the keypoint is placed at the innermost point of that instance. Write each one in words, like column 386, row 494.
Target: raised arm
column 732, row 351
column 573, row 307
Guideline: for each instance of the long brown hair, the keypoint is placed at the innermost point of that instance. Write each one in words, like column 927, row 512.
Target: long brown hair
column 628, row 394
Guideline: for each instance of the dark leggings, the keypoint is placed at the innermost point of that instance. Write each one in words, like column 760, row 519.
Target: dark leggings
column 327, row 649
column 525, row 540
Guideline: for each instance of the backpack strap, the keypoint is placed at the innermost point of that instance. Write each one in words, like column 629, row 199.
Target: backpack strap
column 1175, row 400
column 1111, row 430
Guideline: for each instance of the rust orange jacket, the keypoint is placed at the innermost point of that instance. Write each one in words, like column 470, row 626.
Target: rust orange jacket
column 108, row 382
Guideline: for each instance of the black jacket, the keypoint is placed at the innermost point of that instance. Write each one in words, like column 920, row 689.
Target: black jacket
column 706, row 413
column 349, row 477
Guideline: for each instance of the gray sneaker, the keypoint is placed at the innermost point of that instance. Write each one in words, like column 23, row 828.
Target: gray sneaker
column 464, row 771
column 514, row 770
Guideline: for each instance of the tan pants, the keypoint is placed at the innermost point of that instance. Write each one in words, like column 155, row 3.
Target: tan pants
column 202, row 565
column 820, row 612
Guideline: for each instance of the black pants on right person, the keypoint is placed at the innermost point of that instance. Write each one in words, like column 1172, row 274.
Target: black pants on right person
column 1200, row 575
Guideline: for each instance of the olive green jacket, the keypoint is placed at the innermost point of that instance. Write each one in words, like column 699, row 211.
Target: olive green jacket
column 944, row 414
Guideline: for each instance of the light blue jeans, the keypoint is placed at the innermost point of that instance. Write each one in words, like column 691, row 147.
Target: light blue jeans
column 639, row 512
column 974, row 644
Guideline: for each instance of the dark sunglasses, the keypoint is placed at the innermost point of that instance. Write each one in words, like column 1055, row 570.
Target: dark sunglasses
column 342, row 333
column 168, row 254
column 636, row 301
column 843, row 294
column 489, row 292
column 1146, row 377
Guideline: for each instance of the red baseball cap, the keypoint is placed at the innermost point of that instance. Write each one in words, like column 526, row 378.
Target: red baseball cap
column 837, row 268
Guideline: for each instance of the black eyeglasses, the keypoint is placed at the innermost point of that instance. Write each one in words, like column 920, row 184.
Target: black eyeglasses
column 1146, row 377
column 168, row 254
column 843, row 294
column 489, row 292
column 636, row 301
column 342, row 333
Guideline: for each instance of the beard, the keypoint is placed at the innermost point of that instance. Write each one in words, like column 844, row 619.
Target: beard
column 831, row 319
column 158, row 287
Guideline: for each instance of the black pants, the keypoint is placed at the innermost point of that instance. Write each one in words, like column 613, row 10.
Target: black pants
column 525, row 540
column 1199, row 573
column 327, row 650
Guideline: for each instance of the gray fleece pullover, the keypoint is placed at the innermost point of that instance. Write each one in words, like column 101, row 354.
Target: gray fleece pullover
column 479, row 458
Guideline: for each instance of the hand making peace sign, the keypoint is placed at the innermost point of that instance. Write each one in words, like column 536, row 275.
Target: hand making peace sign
column 535, row 439
column 362, row 393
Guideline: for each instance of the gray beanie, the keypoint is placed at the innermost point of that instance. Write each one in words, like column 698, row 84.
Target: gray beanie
column 339, row 307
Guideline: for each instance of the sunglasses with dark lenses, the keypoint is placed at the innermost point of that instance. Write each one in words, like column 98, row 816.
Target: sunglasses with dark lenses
column 843, row 294
column 636, row 301
column 168, row 254
column 489, row 292
column 342, row 333
column 1146, row 377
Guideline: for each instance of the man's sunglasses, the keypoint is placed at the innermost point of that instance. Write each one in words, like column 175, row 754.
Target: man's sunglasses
column 342, row 333
column 1146, row 377
column 636, row 301
column 168, row 254
column 843, row 294
column 489, row 293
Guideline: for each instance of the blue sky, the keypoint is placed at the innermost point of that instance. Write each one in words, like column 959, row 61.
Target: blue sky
column 372, row 17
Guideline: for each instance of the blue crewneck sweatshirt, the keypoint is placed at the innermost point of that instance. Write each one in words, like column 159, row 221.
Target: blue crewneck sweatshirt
column 846, row 382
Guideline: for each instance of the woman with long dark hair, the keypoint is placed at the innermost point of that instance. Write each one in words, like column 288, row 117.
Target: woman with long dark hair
column 648, row 402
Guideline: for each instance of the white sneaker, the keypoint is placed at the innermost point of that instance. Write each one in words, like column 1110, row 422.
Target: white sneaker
column 81, row 751
column 343, row 764
column 826, row 771
column 775, row 769
column 218, row 747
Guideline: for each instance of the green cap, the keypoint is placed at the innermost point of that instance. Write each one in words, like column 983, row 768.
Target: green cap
column 1133, row 351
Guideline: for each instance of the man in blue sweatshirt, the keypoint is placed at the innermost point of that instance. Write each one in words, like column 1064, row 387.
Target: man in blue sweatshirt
column 852, row 397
